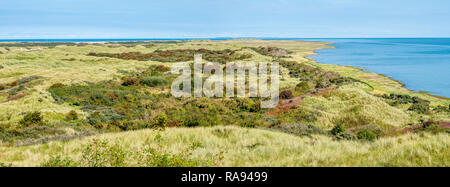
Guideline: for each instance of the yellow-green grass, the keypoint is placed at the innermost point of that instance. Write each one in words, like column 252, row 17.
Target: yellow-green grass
column 242, row 147
column 71, row 65
column 256, row 147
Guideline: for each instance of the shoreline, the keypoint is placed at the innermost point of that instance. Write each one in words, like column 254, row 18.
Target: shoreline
column 403, row 85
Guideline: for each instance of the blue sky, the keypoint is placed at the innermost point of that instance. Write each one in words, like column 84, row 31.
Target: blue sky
column 219, row 18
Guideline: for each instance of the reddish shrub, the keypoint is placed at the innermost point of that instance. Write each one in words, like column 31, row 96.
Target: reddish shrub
column 130, row 81
column 286, row 94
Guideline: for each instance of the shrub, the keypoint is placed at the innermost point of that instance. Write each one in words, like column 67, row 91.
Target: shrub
column 154, row 158
column 16, row 90
column 337, row 130
column 72, row 115
column 286, row 94
column 32, row 118
column 366, row 134
column 106, row 116
column 28, row 79
column 12, row 84
column 59, row 161
column 1, row 67
column 2, row 87
column 250, row 121
column 420, row 107
column 57, row 85
column 131, row 81
column 178, row 55
column 248, row 104
column 154, row 81
column 161, row 68
column 99, row 153
column 302, row 87
column 440, row 108
column 272, row 51
column 161, row 120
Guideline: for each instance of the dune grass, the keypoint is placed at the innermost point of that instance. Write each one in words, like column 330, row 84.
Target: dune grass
column 354, row 105
column 235, row 146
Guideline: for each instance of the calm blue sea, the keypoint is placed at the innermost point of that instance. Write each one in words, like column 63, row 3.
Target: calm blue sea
column 422, row 64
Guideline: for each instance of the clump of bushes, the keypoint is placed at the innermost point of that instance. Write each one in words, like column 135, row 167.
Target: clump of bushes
column 154, row 81
column 340, row 133
column 366, row 134
column 1, row 67
column 313, row 76
column 422, row 107
column 286, row 94
column 248, row 104
column 418, row 105
column 99, row 118
column 72, row 115
column 2, row 87
column 14, row 91
column 397, row 99
column 101, row 153
column 32, row 118
column 161, row 121
column 272, row 51
column 442, row 108
column 178, row 55
column 433, row 127
column 28, row 79
column 131, row 81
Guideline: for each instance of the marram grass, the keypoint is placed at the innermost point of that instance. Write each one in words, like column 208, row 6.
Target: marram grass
column 256, row 147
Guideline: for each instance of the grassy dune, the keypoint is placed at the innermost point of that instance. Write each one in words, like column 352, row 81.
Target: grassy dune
column 332, row 116
column 254, row 147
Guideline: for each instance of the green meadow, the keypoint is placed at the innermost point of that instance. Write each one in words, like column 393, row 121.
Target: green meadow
column 109, row 104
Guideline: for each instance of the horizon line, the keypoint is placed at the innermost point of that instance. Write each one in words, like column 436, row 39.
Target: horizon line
column 212, row 38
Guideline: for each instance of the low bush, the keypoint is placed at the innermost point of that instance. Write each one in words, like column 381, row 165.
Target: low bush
column 59, row 161
column 2, row 87
column 28, row 79
column 161, row 121
column 366, row 134
column 340, row 133
column 422, row 107
column 272, row 51
column 178, row 55
column 130, row 81
column 72, row 115
column 440, row 108
column 337, row 130
column 32, row 118
column 433, row 127
column 154, row 81
column 101, row 153
column 286, row 94
column 106, row 116
column 16, row 90
column 313, row 77
column 248, row 104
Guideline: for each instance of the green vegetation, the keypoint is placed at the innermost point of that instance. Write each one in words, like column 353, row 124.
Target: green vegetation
column 184, row 55
column 65, row 106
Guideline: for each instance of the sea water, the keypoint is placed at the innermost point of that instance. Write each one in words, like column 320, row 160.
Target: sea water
column 422, row 64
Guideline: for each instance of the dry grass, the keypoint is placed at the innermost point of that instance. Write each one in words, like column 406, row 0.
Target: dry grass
column 254, row 147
